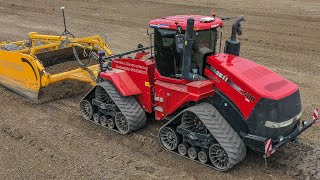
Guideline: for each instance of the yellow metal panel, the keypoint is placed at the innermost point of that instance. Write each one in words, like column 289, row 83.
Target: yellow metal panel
column 19, row 70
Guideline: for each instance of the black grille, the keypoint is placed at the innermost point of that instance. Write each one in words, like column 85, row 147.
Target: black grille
column 275, row 111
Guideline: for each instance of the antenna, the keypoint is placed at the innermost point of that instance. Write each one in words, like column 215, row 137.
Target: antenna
column 65, row 32
column 150, row 38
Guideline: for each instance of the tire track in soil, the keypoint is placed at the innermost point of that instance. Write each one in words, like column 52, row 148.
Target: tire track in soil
column 136, row 142
column 71, row 108
column 66, row 106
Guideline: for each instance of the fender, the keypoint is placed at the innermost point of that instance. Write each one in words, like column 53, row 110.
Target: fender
column 122, row 81
column 231, row 114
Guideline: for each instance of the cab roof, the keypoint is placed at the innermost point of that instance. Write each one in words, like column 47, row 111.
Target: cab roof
column 200, row 22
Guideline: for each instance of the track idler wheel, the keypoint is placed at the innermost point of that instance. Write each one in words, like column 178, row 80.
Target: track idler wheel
column 96, row 117
column 183, row 148
column 219, row 157
column 203, row 156
column 193, row 152
column 87, row 109
column 169, row 138
column 122, row 123
column 103, row 120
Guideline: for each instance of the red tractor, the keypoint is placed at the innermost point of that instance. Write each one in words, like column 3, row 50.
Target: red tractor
column 215, row 104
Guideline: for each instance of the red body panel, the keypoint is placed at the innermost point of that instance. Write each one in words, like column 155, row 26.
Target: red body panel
column 169, row 97
column 137, row 77
column 142, row 55
column 169, row 22
column 118, row 77
column 245, row 81
column 140, row 73
column 242, row 81
column 158, row 76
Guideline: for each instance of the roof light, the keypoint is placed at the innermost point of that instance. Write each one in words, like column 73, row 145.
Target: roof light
column 207, row 19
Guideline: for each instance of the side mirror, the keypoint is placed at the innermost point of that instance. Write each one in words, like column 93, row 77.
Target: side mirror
column 179, row 43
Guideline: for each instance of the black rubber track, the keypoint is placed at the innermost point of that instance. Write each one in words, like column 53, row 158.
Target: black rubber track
column 128, row 105
column 222, row 132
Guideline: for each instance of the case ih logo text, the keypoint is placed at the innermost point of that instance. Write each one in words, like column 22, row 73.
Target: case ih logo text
column 131, row 67
column 219, row 74
column 248, row 96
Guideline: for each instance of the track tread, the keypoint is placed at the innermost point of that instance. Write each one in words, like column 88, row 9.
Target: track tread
column 128, row 105
column 222, row 131
column 65, row 107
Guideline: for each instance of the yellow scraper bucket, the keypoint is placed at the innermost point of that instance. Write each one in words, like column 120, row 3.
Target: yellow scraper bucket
column 23, row 63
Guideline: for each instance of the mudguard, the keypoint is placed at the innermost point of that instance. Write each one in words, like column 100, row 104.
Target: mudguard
column 122, row 81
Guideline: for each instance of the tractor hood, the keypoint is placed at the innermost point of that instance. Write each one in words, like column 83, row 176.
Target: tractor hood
column 269, row 103
column 250, row 76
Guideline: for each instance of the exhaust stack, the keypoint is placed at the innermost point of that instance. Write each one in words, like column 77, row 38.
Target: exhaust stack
column 232, row 44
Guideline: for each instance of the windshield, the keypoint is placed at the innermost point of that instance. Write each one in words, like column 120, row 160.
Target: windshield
column 169, row 61
column 205, row 39
column 202, row 39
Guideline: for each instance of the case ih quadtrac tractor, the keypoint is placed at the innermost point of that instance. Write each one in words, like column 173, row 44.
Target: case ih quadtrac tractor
column 215, row 104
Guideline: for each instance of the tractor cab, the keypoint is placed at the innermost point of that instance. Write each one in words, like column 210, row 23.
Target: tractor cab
column 169, row 42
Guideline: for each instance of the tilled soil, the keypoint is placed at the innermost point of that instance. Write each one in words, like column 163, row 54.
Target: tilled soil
column 67, row 66
column 303, row 160
column 51, row 141
column 64, row 89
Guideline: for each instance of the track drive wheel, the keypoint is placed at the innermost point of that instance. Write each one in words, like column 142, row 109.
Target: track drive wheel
column 169, row 138
column 86, row 109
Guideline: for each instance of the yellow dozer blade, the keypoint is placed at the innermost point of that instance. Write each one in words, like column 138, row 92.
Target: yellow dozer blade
column 23, row 63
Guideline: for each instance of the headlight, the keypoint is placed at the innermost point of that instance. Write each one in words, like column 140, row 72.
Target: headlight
column 271, row 124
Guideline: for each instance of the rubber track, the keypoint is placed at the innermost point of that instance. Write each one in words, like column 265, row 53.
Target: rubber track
column 128, row 105
column 222, row 131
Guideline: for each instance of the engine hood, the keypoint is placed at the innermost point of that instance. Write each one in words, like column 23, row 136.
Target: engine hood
column 249, row 75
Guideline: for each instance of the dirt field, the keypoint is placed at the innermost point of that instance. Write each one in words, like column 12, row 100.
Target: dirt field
column 51, row 141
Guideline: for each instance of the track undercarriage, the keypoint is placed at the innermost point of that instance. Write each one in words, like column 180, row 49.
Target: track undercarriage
column 192, row 133
column 106, row 107
column 201, row 134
